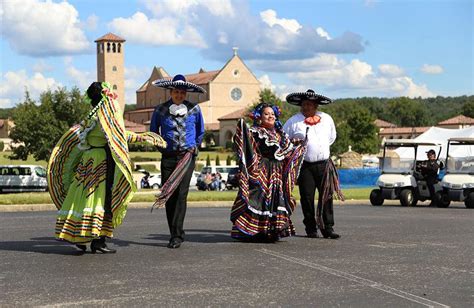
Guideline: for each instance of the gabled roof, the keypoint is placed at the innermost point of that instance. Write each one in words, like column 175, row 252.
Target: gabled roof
column 404, row 130
column 460, row 119
column 211, row 126
column 202, row 77
column 383, row 124
column 110, row 37
column 156, row 73
column 234, row 115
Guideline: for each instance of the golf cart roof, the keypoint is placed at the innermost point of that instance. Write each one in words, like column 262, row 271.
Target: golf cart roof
column 466, row 140
column 410, row 142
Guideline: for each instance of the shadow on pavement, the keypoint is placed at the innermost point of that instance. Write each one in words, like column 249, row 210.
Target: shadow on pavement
column 47, row 245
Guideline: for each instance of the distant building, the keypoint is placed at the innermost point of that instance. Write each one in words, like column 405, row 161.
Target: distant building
column 228, row 125
column 232, row 88
column 460, row 121
column 110, row 64
column 394, row 132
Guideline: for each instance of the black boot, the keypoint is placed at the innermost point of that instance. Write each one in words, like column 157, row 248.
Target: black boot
column 81, row 247
column 329, row 233
column 99, row 245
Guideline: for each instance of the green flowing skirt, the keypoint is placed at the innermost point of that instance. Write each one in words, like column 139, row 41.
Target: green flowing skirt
column 82, row 217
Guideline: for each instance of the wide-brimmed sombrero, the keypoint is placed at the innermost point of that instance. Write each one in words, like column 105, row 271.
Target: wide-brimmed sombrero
column 178, row 82
column 298, row 97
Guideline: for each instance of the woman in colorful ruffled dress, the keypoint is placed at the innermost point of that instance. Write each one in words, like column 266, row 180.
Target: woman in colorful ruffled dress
column 269, row 165
column 90, row 174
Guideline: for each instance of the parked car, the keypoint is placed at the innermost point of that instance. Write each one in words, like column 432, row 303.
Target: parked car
column 223, row 170
column 22, row 178
column 232, row 178
column 154, row 180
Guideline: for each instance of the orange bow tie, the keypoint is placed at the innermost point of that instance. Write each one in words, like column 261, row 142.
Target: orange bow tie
column 312, row 120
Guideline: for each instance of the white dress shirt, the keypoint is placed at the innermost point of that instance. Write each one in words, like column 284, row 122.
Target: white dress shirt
column 320, row 136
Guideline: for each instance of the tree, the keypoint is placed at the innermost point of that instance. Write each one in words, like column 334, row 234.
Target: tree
column 408, row 113
column 363, row 132
column 228, row 160
column 218, row 160
column 468, row 109
column 267, row 96
column 208, row 160
column 39, row 127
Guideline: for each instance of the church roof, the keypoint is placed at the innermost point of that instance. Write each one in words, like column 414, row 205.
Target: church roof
column 234, row 115
column 110, row 37
column 211, row 126
column 460, row 119
column 202, row 77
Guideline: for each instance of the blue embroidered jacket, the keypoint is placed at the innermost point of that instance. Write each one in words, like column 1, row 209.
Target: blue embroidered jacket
column 180, row 132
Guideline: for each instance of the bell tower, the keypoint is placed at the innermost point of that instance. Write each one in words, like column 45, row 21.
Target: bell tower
column 110, row 64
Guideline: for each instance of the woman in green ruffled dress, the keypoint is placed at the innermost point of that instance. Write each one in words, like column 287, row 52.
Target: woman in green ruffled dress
column 90, row 175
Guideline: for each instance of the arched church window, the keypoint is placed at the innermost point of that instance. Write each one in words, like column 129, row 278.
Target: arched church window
column 108, row 47
column 113, row 47
column 114, row 68
column 114, row 87
column 119, row 47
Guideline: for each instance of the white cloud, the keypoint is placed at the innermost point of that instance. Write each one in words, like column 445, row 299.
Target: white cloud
column 134, row 78
column 216, row 26
column 339, row 78
column 38, row 29
column 390, row 70
column 91, row 22
column 270, row 18
column 79, row 78
column 184, row 8
column 166, row 31
column 432, row 69
column 322, row 33
column 266, row 83
column 42, row 66
column 14, row 84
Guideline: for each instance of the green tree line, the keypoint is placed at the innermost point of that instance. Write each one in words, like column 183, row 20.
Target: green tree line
column 40, row 124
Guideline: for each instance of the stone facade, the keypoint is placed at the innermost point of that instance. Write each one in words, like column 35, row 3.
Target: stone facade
column 232, row 88
column 110, row 64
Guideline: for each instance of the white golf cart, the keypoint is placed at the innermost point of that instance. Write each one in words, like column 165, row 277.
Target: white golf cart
column 400, row 179
column 458, row 183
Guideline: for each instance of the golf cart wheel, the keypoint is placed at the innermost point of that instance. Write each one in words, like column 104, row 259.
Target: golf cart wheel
column 441, row 200
column 376, row 198
column 469, row 202
column 407, row 198
column 155, row 186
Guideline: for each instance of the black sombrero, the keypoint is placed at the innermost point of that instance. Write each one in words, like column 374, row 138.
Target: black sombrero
column 298, row 97
column 178, row 82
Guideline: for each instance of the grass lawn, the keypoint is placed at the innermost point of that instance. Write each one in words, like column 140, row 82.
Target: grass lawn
column 4, row 160
column 134, row 156
column 44, row 198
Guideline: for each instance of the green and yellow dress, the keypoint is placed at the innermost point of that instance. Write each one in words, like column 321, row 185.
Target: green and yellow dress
column 77, row 173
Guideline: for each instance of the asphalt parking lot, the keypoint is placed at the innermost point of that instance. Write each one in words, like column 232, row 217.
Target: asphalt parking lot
column 388, row 256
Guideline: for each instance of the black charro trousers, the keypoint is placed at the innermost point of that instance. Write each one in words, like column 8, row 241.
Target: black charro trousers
column 310, row 179
column 177, row 203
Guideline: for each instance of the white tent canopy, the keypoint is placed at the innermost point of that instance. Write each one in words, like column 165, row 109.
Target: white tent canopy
column 441, row 135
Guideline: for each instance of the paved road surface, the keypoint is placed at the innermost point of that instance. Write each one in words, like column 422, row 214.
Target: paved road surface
column 388, row 256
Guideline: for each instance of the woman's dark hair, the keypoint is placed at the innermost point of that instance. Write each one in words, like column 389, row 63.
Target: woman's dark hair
column 94, row 92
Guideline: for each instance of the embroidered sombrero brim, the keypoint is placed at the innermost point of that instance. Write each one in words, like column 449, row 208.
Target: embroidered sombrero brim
column 297, row 97
column 169, row 84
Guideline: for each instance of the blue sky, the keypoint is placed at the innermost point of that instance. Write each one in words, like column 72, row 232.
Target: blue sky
column 339, row 48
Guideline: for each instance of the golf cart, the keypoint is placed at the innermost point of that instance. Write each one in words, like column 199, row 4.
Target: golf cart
column 400, row 178
column 458, row 183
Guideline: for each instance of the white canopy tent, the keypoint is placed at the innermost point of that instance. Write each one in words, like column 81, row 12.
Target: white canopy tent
column 440, row 135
